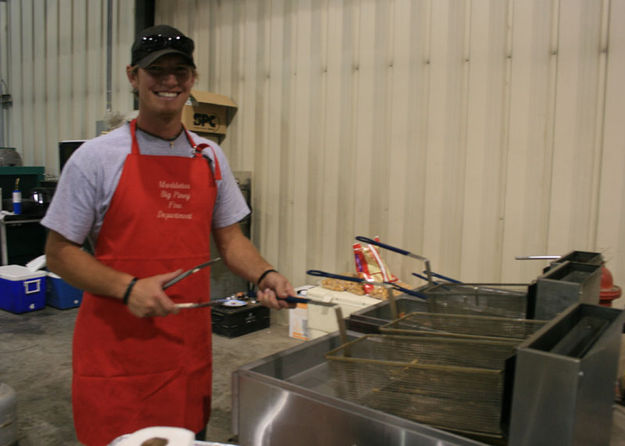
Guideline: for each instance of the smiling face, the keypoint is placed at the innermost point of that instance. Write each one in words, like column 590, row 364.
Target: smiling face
column 163, row 87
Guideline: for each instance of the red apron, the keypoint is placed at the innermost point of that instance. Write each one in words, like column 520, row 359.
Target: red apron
column 130, row 372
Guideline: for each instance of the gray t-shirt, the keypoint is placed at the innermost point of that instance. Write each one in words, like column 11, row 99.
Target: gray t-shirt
column 91, row 175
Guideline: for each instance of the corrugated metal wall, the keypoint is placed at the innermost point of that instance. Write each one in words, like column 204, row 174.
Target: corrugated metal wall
column 54, row 64
column 469, row 131
column 466, row 131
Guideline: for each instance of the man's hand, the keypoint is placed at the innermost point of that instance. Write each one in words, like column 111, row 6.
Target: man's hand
column 147, row 298
column 243, row 259
column 272, row 286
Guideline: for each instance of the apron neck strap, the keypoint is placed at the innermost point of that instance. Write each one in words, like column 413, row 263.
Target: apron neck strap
column 197, row 150
column 133, row 135
column 214, row 165
column 135, row 145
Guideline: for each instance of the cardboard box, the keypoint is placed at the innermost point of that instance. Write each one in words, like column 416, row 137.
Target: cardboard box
column 298, row 316
column 21, row 289
column 310, row 321
column 298, row 322
column 323, row 319
column 208, row 114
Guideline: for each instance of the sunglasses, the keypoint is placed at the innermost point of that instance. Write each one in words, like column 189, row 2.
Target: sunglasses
column 149, row 44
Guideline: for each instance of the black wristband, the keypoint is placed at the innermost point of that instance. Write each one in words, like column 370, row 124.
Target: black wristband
column 129, row 289
column 262, row 276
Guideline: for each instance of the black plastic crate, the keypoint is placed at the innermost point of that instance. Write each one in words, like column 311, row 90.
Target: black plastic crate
column 237, row 321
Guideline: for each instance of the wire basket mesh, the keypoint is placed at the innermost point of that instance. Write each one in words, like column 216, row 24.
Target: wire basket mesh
column 455, row 384
column 505, row 300
column 462, row 325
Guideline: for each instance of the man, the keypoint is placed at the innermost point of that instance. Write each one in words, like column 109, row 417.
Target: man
column 148, row 194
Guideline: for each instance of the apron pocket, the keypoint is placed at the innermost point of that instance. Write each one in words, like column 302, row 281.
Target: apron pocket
column 108, row 407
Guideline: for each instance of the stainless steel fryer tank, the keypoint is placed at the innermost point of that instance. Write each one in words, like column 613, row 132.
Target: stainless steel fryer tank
column 565, row 375
column 284, row 400
column 563, row 285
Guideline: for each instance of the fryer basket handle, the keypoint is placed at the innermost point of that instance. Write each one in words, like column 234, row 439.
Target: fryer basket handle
column 318, row 273
column 428, row 269
column 370, row 241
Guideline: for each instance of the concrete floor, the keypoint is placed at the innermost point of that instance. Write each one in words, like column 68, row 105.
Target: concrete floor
column 35, row 360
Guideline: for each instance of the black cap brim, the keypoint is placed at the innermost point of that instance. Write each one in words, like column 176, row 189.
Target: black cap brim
column 151, row 58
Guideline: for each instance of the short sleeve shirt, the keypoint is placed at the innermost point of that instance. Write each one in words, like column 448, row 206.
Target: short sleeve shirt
column 90, row 177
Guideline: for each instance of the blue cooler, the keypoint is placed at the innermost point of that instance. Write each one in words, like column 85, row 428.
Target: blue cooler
column 61, row 294
column 21, row 289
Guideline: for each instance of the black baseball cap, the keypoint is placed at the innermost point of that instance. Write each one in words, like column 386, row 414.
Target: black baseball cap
column 157, row 41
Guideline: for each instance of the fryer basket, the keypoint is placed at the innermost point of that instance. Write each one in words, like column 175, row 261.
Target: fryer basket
column 454, row 384
column 462, row 325
column 504, row 300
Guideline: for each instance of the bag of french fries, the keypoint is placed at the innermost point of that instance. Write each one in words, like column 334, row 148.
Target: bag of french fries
column 370, row 266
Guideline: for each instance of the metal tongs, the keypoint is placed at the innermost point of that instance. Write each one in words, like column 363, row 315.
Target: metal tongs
column 212, row 303
column 187, row 273
column 219, row 302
